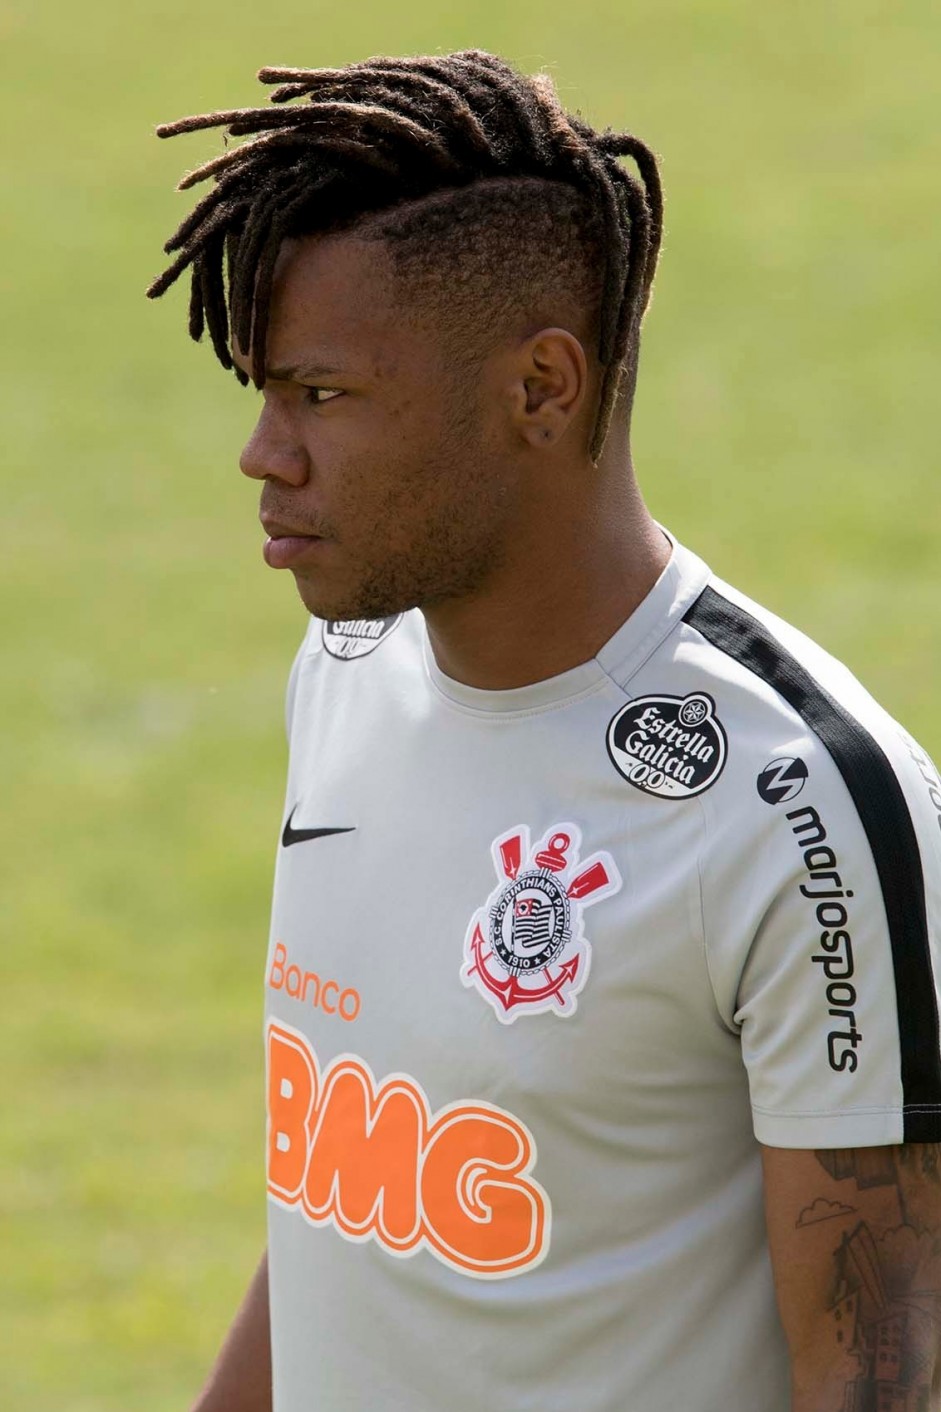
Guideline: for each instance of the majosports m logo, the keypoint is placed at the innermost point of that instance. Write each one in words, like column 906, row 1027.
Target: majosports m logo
column 374, row 1162
column 782, row 780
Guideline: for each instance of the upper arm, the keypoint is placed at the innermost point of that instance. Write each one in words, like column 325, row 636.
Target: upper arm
column 838, row 1003
column 822, row 913
column 855, row 1241
column 821, row 890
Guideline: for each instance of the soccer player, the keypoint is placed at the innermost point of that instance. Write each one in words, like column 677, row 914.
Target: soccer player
column 603, row 1067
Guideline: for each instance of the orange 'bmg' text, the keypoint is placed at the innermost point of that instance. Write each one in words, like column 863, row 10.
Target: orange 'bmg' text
column 374, row 1162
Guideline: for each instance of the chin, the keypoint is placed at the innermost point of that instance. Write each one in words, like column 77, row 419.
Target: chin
column 345, row 607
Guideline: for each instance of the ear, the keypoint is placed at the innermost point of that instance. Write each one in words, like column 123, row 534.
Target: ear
column 550, row 386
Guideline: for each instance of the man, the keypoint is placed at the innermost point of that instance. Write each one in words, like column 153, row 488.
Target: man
column 601, row 1011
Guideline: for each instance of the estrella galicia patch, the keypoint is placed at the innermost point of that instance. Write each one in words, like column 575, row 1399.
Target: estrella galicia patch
column 357, row 637
column 671, row 746
column 782, row 780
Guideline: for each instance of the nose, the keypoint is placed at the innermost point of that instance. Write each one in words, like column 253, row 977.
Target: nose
column 272, row 452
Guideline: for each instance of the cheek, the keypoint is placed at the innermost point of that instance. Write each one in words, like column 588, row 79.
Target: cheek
column 402, row 478
column 370, row 501
column 418, row 473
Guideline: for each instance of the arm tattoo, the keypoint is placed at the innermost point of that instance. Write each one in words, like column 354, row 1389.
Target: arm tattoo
column 885, row 1302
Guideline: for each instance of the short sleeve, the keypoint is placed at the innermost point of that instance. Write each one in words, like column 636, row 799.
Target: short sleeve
column 821, row 901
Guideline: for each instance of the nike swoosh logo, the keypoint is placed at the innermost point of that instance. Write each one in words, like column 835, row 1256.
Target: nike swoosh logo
column 304, row 835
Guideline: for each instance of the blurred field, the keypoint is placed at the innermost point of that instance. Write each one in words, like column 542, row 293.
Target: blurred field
column 785, row 429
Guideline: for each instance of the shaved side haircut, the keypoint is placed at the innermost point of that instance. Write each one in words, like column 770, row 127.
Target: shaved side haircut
column 493, row 203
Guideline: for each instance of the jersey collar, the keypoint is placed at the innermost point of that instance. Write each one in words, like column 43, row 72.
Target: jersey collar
column 679, row 585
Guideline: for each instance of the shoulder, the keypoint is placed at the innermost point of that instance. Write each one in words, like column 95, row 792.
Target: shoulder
column 794, row 707
column 827, row 801
column 821, row 885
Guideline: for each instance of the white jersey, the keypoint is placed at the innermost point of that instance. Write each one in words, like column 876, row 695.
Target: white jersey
column 546, row 966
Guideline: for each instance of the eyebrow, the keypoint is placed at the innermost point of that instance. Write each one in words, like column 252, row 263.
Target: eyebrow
column 303, row 370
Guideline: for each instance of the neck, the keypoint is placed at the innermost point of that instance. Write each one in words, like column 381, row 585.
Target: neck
column 577, row 572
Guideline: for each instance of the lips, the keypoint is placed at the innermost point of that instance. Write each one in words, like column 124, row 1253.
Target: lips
column 290, row 551
column 287, row 546
column 290, row 546
column 278, row 529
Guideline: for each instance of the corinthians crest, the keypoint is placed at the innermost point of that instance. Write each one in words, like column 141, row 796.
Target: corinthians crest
column 525, row 949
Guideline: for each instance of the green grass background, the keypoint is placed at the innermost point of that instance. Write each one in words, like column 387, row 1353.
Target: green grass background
column 785, row 429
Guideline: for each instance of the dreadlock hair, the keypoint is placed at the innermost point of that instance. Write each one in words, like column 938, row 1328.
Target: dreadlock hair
column 482, row 189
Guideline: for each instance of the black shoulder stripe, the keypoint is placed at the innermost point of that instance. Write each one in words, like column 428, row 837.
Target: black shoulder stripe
column 883, row 812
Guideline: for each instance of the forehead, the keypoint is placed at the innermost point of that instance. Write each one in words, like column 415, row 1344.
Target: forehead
column 336, row 294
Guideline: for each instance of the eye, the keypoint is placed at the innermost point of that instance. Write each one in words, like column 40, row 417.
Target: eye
column 312, row 394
